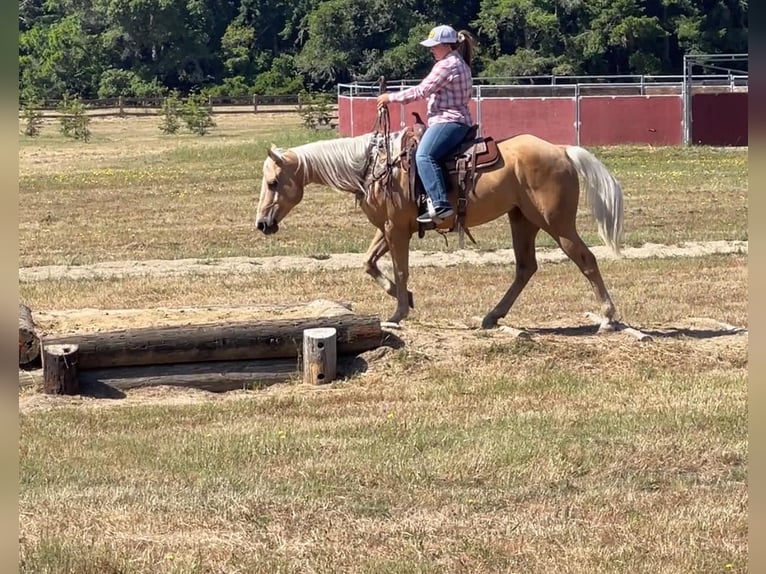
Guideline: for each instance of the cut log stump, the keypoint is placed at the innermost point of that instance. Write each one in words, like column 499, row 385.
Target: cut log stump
column 60, row 370
column 320, row 355
column 29, row 339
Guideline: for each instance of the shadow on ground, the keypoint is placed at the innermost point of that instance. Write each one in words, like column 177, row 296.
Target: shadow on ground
column 669, row 333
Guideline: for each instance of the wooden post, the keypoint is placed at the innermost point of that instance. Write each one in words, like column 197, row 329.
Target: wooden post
column 60, row 370
column 29, row 339
column 319, row 355
column 255, row 103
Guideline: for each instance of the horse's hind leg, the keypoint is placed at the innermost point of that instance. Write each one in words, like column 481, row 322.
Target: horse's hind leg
column 378, row 248
column 578, row 252
column 524, row 233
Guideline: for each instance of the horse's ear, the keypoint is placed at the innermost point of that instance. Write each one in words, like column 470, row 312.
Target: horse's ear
column 275, row 155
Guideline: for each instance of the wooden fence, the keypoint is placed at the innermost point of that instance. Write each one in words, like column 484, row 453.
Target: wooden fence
column 132, row 106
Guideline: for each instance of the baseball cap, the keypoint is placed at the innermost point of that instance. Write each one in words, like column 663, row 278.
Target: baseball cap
column 440, row 35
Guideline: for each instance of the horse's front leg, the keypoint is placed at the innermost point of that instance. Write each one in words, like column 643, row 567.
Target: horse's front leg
column 398, row 239
column 378, row 248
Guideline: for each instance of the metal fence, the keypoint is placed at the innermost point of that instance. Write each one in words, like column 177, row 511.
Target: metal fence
column 485, row 89
column 577, row 89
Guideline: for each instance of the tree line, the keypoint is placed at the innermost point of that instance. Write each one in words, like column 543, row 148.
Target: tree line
column 110, row 48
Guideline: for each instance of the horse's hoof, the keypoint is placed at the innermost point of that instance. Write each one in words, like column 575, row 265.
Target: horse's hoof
column 607, row 327
column 488, row 322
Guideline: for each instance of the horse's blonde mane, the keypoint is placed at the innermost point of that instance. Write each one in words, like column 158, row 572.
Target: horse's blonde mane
column 340, row 163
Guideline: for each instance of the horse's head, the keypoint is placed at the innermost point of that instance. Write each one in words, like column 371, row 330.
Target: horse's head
column 281, row 189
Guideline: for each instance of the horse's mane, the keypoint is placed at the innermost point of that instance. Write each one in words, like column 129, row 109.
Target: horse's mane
column 339, row 162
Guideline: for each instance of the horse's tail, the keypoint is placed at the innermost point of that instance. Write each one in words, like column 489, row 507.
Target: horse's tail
column 604, row 194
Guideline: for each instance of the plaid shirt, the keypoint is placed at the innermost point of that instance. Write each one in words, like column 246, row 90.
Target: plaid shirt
column 448, row 88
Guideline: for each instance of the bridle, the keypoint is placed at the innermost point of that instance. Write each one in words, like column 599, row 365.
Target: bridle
column 380, row 172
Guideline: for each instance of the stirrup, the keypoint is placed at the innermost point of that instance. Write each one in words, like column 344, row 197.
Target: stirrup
column 437, row 217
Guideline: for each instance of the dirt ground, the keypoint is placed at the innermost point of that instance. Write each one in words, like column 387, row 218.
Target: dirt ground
column 438, row 341
column 230, row 265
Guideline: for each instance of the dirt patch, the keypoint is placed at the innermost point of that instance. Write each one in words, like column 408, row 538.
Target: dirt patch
column 424, row 343
column 69, row 321
column 248, row 265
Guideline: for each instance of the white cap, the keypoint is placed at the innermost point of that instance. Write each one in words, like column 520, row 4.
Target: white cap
column 440, row 35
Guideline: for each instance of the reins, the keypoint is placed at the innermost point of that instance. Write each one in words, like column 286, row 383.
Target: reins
column 382, row 129
column 380, row 172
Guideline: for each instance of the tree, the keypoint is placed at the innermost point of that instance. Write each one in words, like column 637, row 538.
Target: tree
column 143, row 47
column 197, row 114
column 528, row 36
column 348, row 38
column 617, row 29
column 282, row 78
column 175, row 41
column 57, row 58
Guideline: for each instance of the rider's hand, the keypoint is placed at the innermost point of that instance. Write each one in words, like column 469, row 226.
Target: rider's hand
column 383, row 100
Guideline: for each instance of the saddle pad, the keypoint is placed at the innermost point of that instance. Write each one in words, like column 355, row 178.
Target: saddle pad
column 483, row 151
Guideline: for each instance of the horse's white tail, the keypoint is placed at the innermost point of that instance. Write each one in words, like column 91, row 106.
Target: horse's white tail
column 604, row 194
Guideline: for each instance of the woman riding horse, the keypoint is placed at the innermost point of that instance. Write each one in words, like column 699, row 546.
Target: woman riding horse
column 448, row 89
column 534, row 183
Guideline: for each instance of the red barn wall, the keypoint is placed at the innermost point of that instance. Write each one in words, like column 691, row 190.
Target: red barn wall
column 549, row 118
column 610, row 120
column 719, row 119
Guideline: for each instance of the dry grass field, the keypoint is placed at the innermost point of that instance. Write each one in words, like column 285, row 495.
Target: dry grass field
column 456, row 450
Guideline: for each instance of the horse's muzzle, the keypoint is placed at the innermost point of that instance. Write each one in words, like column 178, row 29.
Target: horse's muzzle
column 266, row 227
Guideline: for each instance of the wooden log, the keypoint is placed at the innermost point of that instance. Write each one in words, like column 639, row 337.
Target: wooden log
column 71, row 320
column 250, row 340
column 215, row 376
column 29, row 338
column 727, row 326
column 320, row 355
column 60, row 369
column 640, row 335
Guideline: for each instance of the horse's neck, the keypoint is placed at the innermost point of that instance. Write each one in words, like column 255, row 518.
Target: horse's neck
column 336, row 163
column 311, row 174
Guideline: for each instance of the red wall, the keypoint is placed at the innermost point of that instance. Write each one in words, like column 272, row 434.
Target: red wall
column 356, row 116
column 549, row 118
column 719, row 119
column 609, row 120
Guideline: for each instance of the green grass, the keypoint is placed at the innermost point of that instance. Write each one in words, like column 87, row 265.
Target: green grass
column 533, row 470
column 647, row 292
column 461, row 451
column 677, row 194
column 195, row 197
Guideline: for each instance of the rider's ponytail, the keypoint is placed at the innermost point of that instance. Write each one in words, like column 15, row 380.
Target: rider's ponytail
column 465, row 45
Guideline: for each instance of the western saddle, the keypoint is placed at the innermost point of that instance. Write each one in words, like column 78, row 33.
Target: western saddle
column 472, row 154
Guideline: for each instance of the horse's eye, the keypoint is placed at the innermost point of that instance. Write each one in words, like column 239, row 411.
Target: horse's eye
column 271, row 184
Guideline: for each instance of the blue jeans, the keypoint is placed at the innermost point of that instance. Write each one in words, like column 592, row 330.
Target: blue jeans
column 437, row 140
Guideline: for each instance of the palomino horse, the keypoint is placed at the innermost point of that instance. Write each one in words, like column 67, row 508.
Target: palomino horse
column 535, row 184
